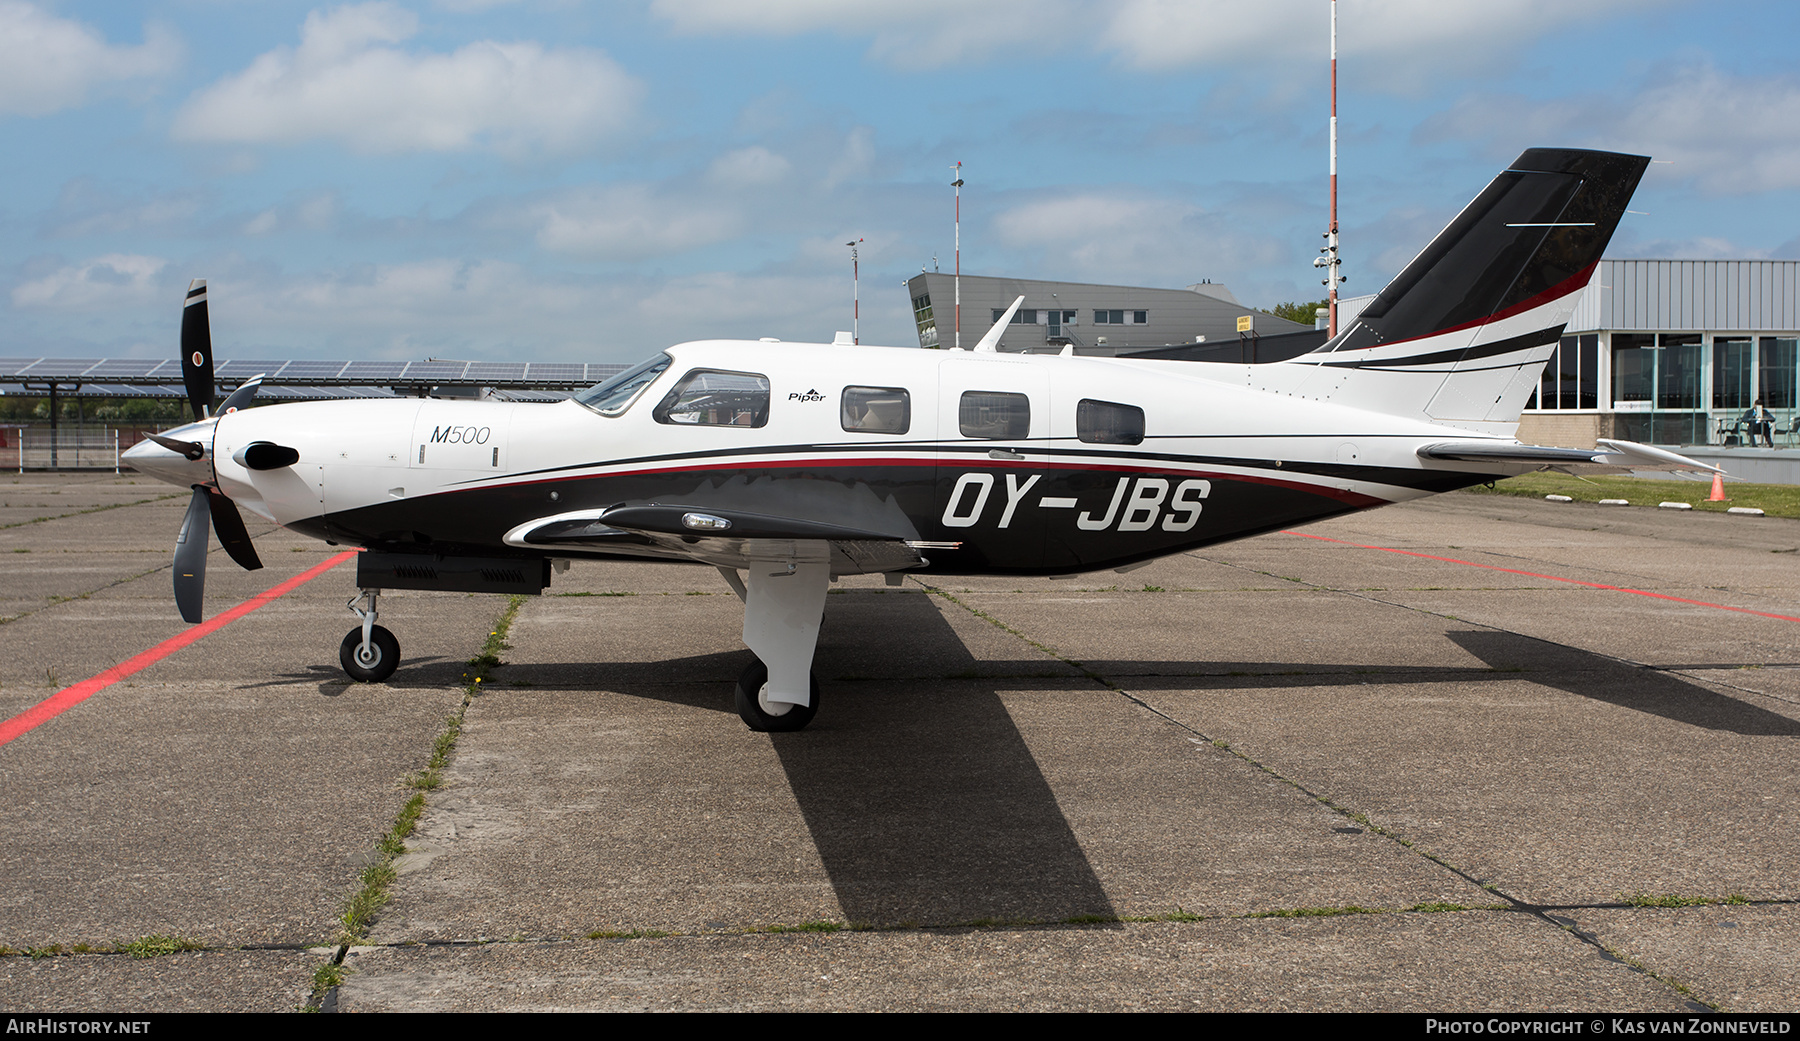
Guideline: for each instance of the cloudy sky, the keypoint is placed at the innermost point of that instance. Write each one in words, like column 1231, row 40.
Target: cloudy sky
column 548, row 179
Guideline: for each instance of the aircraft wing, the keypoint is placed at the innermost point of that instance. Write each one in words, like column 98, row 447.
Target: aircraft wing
column 1610, row 457
column 722, row 538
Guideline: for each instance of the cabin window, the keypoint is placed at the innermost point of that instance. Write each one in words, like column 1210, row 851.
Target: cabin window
column 877, row 410
column 614, row 396
column 711, row 398
column 994, row 414
column 1108, row 423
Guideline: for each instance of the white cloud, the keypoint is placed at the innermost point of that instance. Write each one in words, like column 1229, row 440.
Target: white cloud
column 1115, row 237
column 86, row 208
column 1427, row 34
column 319, row 211
column 49, row 63
column 1169, row 33
column 495, row 309
column 925, row 34
column 407, row 310
column 751, row 167
column 346, row 83
column 855, row 161
column 1727, row 135
column 113, row 280
column 624, row 222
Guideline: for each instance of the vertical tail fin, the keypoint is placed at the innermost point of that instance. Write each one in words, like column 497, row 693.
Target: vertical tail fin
column 1462, row 334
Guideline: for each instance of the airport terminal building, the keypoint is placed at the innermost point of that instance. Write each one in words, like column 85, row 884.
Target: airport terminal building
column 1093, row 319
column 1674, row 352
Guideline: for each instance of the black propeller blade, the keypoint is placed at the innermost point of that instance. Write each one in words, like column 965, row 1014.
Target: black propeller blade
column 192, row 449
column 240, row 398
column 196, row 350
column 190, row 557
column 228, row 524
column 191, row 548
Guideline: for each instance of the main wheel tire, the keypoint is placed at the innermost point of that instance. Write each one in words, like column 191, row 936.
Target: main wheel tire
column 753, row 706
column 383, row 659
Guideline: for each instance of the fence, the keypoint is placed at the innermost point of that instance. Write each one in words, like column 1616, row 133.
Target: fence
column 76, row 449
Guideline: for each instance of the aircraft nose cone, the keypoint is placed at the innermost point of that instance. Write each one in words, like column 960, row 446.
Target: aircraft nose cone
column 151, row 458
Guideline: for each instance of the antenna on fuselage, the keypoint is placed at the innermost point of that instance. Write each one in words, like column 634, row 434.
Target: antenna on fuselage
column 992, row 338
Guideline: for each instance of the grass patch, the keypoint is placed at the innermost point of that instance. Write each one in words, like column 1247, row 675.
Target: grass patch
column 804, row 927
column 627, row 934
column 158, row 946
column 329, row 975
column 1776, row 500
column 1679, row 900
column 1315, row 912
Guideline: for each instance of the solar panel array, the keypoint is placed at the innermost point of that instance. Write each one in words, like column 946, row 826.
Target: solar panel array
column 307, row 373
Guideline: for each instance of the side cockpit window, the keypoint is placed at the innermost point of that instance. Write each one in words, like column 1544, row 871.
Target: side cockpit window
column 711, row 398
column 615, row 395
column 994, row 414
column 877, row 410
column 1109, row 423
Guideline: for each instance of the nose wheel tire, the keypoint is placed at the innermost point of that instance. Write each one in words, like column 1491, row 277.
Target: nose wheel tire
column 378, row 664
column 761, row 714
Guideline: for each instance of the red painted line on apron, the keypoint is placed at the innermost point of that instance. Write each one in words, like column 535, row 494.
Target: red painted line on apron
column 67, row 698
column 1552, row 578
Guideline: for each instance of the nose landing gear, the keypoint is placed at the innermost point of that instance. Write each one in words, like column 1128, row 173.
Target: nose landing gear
column 369, row 653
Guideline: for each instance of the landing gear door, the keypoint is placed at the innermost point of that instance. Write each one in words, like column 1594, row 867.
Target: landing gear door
column 993, row 461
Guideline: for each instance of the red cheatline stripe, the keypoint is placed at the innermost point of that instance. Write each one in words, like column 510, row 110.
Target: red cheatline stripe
column 1552, row 578
column 67, row 698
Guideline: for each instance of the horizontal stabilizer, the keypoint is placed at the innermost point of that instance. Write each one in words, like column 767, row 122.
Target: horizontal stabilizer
column 1611, row 457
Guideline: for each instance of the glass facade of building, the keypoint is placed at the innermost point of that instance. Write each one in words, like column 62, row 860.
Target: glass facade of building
column 1677, row 352
column 1676, row 388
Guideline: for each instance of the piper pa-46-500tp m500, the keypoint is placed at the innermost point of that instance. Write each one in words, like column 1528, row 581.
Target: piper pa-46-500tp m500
column 787, row 465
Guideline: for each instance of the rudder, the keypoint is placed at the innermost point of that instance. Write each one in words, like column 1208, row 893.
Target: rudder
column 1461, row 335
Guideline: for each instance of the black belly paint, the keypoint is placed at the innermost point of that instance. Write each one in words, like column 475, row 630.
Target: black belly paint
column 1069, row 513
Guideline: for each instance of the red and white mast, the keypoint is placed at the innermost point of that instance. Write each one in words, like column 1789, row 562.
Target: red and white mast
column 1331, row 237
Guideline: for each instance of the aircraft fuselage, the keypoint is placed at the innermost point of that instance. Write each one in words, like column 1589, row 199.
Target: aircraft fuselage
column 1010, row 463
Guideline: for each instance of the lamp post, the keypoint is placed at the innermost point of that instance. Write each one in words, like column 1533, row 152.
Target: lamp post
column 957, row 184
column 855, row 294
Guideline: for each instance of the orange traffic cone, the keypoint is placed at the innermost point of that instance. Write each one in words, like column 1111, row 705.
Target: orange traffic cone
column 1718, row 492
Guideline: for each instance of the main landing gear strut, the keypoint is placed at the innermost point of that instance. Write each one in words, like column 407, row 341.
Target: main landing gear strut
column 369, row 653
column 783, row 603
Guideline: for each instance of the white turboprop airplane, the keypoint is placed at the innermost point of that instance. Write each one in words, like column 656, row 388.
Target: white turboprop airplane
column 787, row 465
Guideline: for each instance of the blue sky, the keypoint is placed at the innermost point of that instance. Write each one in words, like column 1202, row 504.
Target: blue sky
column 565, row 181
